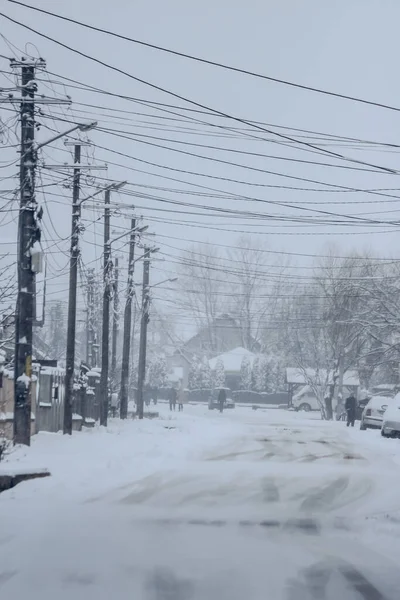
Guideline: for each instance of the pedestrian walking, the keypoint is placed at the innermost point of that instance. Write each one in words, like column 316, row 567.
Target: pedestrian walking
column 350, row 406
column 182, row 398
column 221, row 399
column 172, row 399
column 114, row 404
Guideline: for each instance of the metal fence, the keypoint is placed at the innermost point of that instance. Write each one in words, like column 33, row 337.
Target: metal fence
column 50, row 402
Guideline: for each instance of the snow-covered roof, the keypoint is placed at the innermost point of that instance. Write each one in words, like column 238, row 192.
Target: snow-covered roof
column 232, row 360
column 295, row 375
column 52, row 371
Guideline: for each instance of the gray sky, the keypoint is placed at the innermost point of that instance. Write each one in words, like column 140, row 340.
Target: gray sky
column 349, row 47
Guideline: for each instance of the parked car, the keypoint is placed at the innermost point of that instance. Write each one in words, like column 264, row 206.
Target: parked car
column 391, row 420
column 229, row 403
column 385, row 389
column 361, row 406
column 213, row 400
column 372, row 415
column 305, row 400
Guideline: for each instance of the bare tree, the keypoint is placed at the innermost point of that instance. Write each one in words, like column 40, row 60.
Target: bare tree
column 249, row 303
column 381, row 320
column 327, row 331
column 202, row 285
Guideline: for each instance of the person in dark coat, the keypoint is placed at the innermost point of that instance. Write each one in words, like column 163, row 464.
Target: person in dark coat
column 350, row 406
column 221, row 399
column 172, row 399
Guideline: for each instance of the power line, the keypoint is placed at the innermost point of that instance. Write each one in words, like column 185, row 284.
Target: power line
column 330, row 138
column 210, row 62
column 183, row 98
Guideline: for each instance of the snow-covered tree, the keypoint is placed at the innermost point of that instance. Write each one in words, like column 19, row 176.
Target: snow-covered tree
column 205, row 374
column 270, row 375
column 245, row 374
column 219, row 375
column 157, row 372
column 262, row 375
column 255, row 374
column 194, row 376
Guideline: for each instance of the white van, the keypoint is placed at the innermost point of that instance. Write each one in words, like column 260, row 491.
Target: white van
column 305, row 400
column 391, row 419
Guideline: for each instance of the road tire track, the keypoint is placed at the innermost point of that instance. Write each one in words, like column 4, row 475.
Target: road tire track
column 325, row 496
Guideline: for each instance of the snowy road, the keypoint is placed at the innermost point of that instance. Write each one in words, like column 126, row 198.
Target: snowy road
column 202, row 506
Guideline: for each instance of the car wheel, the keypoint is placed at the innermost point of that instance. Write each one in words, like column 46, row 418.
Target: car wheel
column 383, row 434
column 363, row 427
column 305, row 406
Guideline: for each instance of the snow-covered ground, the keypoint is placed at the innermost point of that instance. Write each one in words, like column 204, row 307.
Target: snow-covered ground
column 202, row 506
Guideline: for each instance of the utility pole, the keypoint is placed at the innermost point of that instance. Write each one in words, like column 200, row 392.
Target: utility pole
column 89, row 320
column 28, row 234
column 143, row 331
column 128, row 324
column 115, row 329
column 73, row 278
column 106, row 313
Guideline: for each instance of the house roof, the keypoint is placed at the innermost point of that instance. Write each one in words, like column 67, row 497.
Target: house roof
column 295, row 375
column 216, row 323
column 232, row 360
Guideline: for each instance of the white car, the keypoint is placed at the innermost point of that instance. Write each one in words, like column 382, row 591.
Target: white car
column 391, row 420
column 372, row 415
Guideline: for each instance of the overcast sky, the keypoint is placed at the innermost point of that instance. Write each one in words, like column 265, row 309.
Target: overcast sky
column 348, row 46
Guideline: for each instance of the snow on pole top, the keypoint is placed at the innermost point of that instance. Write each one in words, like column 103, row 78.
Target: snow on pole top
column 24, row 379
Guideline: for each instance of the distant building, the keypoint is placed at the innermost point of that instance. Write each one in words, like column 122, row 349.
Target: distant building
column 232, row 362
column 223, row 335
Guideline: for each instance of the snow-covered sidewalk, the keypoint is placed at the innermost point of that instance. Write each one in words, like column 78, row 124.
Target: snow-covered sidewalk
column 198, row 505
column 99, row 458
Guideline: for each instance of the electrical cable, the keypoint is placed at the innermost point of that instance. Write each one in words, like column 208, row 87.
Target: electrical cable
column 209, row 62
column 180, row 97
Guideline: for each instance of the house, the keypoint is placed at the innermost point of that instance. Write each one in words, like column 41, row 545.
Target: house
column 223, row 335
column 179, row 362
column 232, row 362
column 176, row 377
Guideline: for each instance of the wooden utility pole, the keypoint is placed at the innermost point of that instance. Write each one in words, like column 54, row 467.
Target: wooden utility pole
column 73, row 278
column 115, row 329
column 107, row 271
column 143, row 331
column 128, row 324
column 28, row 234
column 89, row 320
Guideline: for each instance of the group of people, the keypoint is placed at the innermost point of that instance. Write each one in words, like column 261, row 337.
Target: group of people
column 179, row 397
